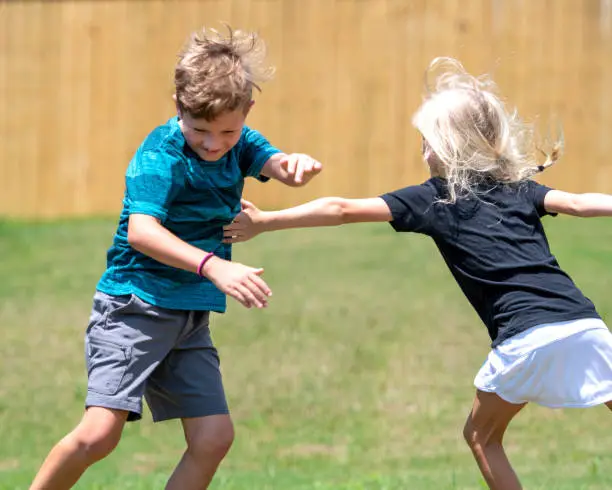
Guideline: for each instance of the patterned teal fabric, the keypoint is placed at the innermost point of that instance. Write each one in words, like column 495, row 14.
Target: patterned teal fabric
column 194, row 199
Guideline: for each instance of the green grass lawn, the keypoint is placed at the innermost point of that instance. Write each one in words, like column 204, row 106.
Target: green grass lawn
column 358, row 375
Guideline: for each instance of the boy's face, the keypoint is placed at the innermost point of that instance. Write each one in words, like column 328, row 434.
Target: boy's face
column 213, row 139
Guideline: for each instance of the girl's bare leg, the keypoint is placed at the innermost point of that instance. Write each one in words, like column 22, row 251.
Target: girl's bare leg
column 484, row 431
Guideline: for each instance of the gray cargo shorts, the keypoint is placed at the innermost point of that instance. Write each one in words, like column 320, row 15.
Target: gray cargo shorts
column 133, row 349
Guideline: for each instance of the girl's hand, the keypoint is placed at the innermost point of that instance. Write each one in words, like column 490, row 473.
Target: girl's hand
column 246, row 224
column 239, row 281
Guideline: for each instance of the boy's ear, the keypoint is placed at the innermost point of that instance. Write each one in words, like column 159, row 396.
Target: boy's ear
column 248, row 108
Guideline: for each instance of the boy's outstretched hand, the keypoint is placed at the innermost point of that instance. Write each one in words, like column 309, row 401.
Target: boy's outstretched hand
column 245, row 225
column 300, row 167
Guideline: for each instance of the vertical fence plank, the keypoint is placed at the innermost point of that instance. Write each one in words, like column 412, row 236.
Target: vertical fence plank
column 84, row 81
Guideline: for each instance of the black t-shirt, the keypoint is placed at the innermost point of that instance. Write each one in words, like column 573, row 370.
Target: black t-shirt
column 496, row 248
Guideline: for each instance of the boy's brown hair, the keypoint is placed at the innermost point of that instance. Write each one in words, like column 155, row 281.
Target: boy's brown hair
column 216, row 73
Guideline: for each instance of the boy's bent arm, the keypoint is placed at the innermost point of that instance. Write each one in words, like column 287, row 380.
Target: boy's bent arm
column 148, row 236
column 583, row 205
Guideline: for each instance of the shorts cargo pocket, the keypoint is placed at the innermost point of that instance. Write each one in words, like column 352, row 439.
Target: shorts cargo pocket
column 117, row 307
column 107, row 363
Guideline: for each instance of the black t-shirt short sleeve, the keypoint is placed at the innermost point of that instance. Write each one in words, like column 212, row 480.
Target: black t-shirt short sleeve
column 410, row 207
column 538, row 193
column 496, row 248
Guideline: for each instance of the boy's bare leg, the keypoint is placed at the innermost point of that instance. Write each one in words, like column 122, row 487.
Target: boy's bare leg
column 95, row 437
column 484, row 431
column 208, row 441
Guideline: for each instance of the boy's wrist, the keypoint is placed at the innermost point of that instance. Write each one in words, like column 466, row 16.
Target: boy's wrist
column 210, row 264
column 205, row 259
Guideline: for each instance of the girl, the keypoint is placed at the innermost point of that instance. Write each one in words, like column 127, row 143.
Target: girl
column 549, row 344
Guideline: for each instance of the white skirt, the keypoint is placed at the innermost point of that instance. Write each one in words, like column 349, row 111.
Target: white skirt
column 558, row 365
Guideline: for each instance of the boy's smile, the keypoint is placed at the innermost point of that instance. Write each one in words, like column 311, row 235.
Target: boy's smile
column 210, row 140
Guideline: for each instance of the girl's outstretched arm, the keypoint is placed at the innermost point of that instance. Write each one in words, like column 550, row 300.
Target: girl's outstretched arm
column 584, row 205
column 327, row 211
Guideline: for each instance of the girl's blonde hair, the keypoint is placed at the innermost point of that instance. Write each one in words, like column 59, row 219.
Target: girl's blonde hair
column 473, row 136
column 216, row 73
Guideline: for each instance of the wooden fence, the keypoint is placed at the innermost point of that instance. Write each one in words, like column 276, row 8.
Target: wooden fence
column 83, row 81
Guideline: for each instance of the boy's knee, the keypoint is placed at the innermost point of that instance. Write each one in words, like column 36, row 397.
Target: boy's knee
column 211, row 444
column 94, row 446
column 94, row 441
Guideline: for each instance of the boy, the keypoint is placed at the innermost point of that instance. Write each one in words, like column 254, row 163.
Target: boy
column 168, row 267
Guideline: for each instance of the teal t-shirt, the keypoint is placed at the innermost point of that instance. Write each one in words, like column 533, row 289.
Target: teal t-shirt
column 193, row 199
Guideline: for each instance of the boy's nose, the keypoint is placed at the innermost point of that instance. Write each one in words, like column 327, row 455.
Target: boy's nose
column 210, row 143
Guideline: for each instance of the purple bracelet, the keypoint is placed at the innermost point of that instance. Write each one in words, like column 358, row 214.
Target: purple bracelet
column 204, row 260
